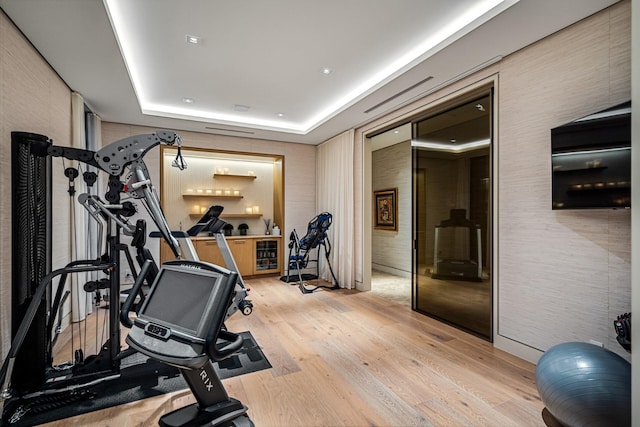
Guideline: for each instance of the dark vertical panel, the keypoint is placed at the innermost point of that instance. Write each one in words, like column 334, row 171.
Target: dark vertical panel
column 31, row 250
column 457, row 295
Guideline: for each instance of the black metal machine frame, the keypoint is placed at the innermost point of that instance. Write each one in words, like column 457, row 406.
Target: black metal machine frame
column 299, row 250
column 120, row 158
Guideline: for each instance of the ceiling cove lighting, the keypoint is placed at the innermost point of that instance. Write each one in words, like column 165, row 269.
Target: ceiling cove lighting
column 460, row 148
column 125, row 28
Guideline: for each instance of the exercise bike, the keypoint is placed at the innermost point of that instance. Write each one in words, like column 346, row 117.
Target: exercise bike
column 181, row 324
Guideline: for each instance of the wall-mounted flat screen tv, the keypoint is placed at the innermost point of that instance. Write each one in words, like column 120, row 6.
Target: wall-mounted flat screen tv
column 591, row 161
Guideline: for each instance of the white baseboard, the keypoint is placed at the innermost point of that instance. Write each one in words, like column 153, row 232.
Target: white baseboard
column 391, row 270
column 520, row 350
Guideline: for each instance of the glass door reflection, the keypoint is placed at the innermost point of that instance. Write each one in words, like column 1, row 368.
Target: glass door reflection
column 452, row 216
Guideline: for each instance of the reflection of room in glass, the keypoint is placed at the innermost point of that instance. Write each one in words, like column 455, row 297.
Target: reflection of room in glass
column 453, row 216
column 591, row 161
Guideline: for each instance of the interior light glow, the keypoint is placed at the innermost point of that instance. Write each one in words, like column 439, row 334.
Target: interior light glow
column 193, row 39
column 604, row 150
column 125, row 28
column 125, row 40
column 606, row 114
column 460, row 148
column 222, row 118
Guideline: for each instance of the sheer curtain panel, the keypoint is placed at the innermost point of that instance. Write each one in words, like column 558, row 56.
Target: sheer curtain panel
column 334, row 194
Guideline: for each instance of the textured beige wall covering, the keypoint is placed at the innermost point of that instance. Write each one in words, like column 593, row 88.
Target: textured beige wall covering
column 391, row 250
column 564, row 275
column 32, row 99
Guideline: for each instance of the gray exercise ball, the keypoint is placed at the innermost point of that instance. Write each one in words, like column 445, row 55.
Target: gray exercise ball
column 583, row 384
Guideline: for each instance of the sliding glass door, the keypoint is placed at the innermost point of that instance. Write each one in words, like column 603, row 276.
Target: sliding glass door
column 451, row 157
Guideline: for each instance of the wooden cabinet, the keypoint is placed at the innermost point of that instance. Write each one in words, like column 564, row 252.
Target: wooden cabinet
column 254, row 255
column 267, row 256
column 209, row 251
column 242, row 251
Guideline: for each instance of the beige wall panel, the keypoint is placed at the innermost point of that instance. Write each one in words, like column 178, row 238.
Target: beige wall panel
column 555, row 267
column 391, row 168
column 620, row 53
column 32, row 99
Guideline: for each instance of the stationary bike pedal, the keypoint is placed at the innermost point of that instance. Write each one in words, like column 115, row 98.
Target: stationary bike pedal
column 246, row 306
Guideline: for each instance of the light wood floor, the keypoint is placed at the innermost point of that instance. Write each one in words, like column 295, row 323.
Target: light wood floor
column 348, row 358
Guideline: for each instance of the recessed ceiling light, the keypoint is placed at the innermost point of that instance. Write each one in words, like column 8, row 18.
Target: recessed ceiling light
column 454, row 140
column 187, row 100
column 326, row 71
column 396, row 131
column 193, row 39
column 280, row 114
column 241, row 108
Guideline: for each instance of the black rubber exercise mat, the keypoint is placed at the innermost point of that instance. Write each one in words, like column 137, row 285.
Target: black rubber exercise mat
column 140, row 378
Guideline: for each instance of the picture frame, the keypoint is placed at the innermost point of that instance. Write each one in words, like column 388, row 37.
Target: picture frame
column 385, row 215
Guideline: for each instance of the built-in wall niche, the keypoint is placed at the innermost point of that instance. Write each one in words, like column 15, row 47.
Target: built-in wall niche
column 249, row 186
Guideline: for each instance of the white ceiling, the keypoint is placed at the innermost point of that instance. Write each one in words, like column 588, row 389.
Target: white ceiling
column 268, row 56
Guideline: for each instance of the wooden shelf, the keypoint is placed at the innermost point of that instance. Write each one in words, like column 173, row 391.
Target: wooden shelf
column 226, row 175
column 210, row 195
column 223, row 216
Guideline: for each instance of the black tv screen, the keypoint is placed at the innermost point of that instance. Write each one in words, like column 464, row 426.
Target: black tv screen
column 591, row 161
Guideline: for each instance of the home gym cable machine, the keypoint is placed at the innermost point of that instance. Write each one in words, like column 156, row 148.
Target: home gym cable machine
column 27, row 370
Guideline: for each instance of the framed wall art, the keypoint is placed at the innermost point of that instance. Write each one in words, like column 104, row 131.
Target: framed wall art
column 386, row 209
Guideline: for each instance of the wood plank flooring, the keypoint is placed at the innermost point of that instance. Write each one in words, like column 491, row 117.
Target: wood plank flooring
column 348, row 358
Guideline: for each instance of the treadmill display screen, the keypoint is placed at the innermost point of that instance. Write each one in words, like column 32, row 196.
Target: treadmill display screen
column 181, row 298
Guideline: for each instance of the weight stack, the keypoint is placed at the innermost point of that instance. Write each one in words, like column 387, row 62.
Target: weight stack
column 31, row 252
